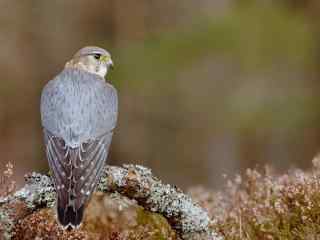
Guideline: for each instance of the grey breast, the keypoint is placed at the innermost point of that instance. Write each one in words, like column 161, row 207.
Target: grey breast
column 78, row 107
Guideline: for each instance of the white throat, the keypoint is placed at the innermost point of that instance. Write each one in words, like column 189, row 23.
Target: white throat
column 101, row 69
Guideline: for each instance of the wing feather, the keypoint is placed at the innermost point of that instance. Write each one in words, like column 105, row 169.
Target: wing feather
column 76, row 171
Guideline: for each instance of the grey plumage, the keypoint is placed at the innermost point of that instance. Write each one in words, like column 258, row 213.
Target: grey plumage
column 91, row 50
column 78, row 112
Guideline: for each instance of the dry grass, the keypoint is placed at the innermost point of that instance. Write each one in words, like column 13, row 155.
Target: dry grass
column 259, row 205
column 7, row 185
column 266, row 205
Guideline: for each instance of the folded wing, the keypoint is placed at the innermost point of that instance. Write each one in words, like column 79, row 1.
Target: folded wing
column 76, row 172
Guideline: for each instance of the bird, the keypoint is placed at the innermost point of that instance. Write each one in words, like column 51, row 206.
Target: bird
column 79, row 110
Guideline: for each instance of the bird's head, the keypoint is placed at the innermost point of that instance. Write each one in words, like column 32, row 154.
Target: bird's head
column 92, row 59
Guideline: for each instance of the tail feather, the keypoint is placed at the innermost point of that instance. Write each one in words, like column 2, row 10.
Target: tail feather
column 76, row 171
column 69, row 217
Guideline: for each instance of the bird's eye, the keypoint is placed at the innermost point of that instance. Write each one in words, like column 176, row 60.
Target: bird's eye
column 97, row 56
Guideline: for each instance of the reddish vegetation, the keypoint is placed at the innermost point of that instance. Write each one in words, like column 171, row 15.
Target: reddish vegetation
column 257, row 206
column 107, row 217
column 7, row 185
column 267, row 205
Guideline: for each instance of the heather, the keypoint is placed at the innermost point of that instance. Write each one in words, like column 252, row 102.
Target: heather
column 260, row 204
column 266, row 205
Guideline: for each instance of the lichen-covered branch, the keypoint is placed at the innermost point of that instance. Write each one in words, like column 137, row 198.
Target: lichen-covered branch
column 137, row 182
column 37, row 192
column 133, row 181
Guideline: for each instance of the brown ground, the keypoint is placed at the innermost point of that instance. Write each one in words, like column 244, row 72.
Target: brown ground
column 107, row 217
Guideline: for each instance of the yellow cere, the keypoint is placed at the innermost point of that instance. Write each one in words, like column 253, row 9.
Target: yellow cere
column 104, row 58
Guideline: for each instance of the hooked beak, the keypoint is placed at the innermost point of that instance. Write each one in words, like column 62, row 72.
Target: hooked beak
column 107, row 60
column 110, row 64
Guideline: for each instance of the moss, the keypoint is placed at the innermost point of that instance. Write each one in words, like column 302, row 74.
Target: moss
column 108, row 216
column 157, row 221
column 176, row 205
column 137, row 182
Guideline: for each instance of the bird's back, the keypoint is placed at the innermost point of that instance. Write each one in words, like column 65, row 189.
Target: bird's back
column 78, row 106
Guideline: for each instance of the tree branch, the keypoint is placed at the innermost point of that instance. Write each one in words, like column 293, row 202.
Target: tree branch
column 133, row 181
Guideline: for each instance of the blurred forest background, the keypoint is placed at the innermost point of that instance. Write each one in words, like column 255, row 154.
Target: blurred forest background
column 206, row 87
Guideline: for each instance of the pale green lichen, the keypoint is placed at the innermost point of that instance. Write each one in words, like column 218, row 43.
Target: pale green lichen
column 208, row 235
column 171, row 201
column 7, row 224
column 138, row 182
column 38, row 191
column 135, row 182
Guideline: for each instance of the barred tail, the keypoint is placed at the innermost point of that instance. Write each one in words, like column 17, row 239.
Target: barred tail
column 76, row 171
column 69, row 217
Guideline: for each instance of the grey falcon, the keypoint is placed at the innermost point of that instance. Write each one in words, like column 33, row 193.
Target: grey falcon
column 78, row 113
